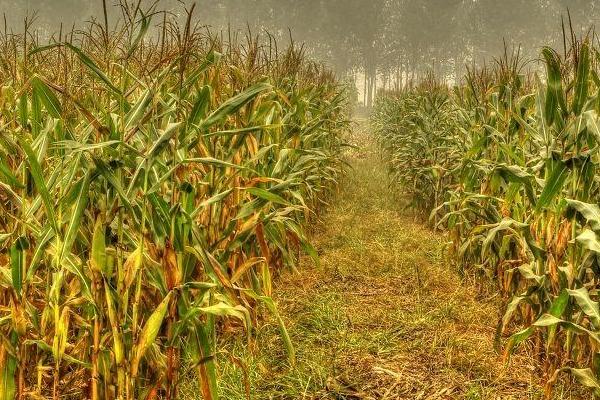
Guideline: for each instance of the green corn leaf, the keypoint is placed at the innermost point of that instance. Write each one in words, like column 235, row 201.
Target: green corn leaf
column 38, row 177
column 211, row 59
column 272, row 307
column 587, row 305
column 47, row 348
column 553, row 185
column 39, row 49
column 517, row 339
column 200, row 107
column 48, row 97
column 510, row 309
column 23, row 110
column 105, row 171
column 42, row 242
column 591, row 212
column 223, row 309
column 205, row 360
column 8, row 175
column 161, row 143
column 233, row 105
column 586, row 377
column 589, row 240
column 80, row 205
column 87, row 61
column 8, row 367
column 267, row 195
column 98, row 251
column 214, row 199
column 149, row 333
column 580, row 89
column 132, row 266
column 516, row 174
column 559, row 304
column 139, row 109
column 144, row 25
column 16, row 265
column 214, row 162
column 554, row 91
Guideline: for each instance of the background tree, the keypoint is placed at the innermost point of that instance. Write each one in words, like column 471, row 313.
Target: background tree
column 378, row 43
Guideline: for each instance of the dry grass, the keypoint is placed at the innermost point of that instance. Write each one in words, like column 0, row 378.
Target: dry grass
column 367, row 326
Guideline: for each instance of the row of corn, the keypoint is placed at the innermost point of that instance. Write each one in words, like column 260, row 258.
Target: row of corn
column 507, row 163
column 153, row 179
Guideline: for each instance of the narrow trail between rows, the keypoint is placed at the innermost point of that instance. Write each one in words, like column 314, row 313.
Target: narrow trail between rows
column 383, row 316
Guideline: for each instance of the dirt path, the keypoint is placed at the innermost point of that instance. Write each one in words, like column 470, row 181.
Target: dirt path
column 383, row 317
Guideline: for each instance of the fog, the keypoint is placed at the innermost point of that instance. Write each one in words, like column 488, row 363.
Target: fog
column 375, row 42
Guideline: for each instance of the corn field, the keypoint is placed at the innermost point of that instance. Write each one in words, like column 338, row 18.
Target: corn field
column 507, row 164
column 154, row 177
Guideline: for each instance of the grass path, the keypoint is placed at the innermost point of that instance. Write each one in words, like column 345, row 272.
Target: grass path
column 383, row 317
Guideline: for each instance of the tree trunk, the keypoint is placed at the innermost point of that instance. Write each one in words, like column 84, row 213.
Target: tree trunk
column 369, row 89
column 456, row 72
column 372, row 88
column 365, row 88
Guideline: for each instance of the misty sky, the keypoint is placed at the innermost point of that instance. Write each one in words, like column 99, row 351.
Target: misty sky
column 428, row 25
column 380, row 40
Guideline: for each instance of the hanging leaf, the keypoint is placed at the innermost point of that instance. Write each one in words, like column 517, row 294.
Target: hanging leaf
column 149, row 333
column 48, row 97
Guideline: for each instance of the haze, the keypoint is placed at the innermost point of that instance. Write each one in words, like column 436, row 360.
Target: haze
column 377, row 43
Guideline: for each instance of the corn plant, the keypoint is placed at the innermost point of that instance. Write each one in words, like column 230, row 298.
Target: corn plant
column 151, row 185
column 416, row 131
column 521, row 200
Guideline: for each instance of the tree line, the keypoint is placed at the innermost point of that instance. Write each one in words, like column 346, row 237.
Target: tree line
column 379, row 43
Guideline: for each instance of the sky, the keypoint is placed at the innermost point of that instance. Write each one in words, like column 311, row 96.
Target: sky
column 378, row 40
